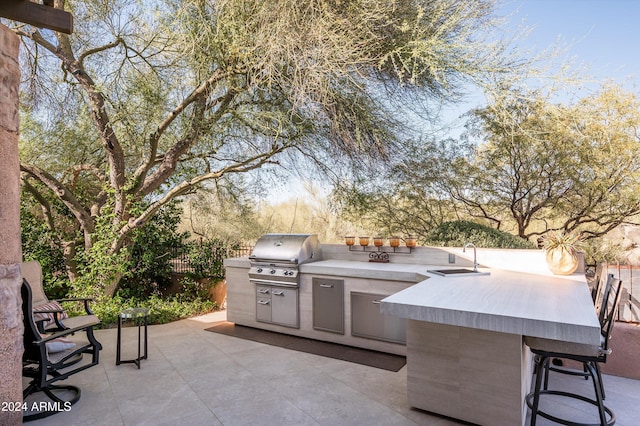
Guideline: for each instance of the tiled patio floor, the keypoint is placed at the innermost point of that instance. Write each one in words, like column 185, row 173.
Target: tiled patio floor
column 195, row 377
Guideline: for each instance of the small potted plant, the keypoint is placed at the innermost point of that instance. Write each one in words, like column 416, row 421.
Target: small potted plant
column 561, row 251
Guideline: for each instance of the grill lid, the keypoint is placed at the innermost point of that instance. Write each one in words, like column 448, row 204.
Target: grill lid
column 285, row 248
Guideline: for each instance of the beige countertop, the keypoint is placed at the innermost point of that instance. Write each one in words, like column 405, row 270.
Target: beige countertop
column 505, row 301
column 237, row 262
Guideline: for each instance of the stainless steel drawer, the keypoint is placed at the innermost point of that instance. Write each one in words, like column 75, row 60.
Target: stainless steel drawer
column 328, row 305
column 368, row 322
column 263, row 303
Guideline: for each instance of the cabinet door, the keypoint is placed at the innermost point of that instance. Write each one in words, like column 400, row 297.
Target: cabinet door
column 367, row 321
column 284, row 306
column 263, row 303
column 328, row 305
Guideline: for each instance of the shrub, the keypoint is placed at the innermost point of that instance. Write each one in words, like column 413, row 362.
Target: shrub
column 206, row 258
column 193, row 289
column 151, row 250
column 457, row 233
column 42, row 244
column 162, row 310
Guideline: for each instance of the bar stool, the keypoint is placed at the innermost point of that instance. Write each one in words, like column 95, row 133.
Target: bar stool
column 598, row 300
column 590, row 356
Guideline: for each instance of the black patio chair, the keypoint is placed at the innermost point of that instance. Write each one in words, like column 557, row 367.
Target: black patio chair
column 51, row 357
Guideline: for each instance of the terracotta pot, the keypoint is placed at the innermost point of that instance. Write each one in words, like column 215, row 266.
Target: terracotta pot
column 218, row 292
column 562, row 261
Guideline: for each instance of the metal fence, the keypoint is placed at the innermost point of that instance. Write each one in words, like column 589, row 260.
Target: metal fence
column 629, row 308
column 183, row 262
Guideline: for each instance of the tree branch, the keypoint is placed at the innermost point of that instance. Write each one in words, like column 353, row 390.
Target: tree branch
column 44, row 203
column 201, row 92
column 171, row 157
column 59, row 190
column 186, row 186
column 97, row 106
column 98, row 49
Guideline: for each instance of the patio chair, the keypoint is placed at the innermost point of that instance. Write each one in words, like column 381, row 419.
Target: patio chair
column 53, row 357
column 589, row 356
column 596, row 286
column 51, row 310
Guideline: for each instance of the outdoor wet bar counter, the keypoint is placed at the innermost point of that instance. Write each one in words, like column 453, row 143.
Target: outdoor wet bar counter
column 464, row 333
column 465, row 353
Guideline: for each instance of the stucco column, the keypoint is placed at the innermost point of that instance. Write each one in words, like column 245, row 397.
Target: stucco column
column 11, row 327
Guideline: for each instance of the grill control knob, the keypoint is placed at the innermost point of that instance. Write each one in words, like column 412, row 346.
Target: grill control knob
column 273, row 271
column 259, row 270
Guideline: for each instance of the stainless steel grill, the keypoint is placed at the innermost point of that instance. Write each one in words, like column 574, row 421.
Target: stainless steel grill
column 276, row 257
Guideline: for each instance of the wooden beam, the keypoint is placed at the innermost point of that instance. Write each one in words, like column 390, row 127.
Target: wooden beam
column 38, row 15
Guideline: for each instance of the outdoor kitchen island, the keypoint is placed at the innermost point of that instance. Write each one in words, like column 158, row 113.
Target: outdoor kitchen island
column 331, row 294
column 465, row 353
column 326, row 292
column 464, row 334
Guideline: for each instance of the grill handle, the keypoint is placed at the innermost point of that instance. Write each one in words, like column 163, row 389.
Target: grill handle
column 274, row 283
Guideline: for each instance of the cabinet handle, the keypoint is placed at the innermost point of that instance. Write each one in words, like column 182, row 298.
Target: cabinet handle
column 326, row 285
column 278, row 293
column 263, row 302
column 263, row 291
column 376, row 302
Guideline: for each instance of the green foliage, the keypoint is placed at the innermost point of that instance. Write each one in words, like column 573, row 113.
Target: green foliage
column 145, row 268
column 604, row 250
column 408, row 197
column 158, row 101
column 457, row 233
column 99, row 266
column 153, row 246
column 163, row 310
column 543, row 165
column 569, row 241
column 206, row 258
column 194, row 289
column 41, row 244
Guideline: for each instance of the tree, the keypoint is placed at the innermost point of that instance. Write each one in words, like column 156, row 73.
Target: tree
column 405, row 198
column 154, row 99
column 526, row 165
column 551, row 166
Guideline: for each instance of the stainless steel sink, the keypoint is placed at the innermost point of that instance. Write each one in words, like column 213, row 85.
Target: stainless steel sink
column 456, row 272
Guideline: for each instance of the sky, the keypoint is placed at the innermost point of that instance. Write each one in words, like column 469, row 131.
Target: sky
column 600, row 36
column 603, row 34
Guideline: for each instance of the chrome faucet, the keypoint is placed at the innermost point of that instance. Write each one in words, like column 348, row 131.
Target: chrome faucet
column 475, row 261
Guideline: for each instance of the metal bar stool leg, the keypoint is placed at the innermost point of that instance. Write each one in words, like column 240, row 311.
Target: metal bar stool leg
column 145, row 337
column 139, row 343
column 119, row 340
column 541, row 371
column 597, row 367
column 597, row 387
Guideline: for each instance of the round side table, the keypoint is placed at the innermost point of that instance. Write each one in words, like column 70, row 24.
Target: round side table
column 139, row 317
